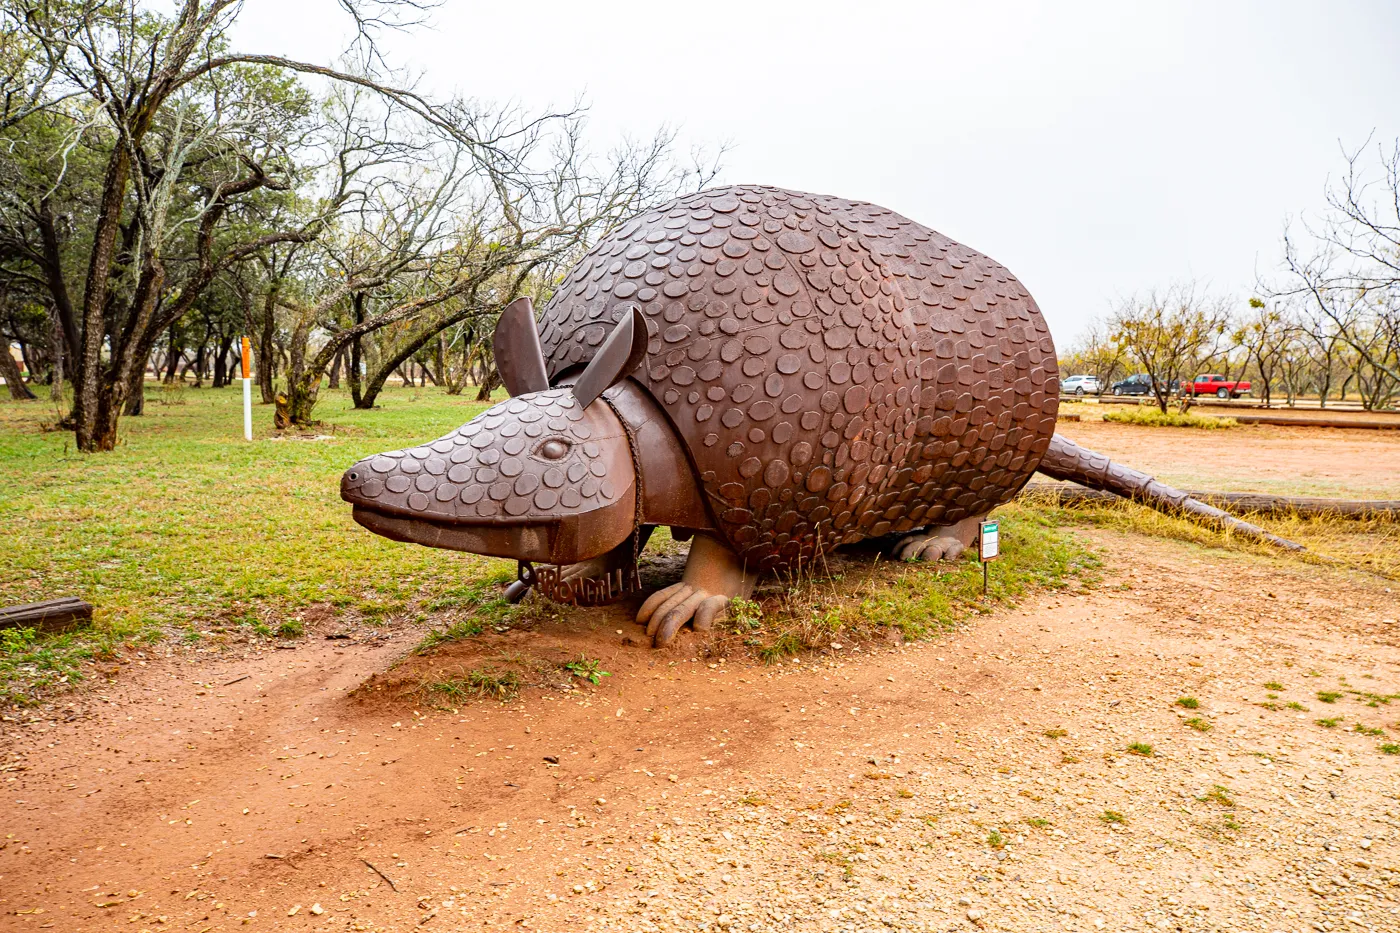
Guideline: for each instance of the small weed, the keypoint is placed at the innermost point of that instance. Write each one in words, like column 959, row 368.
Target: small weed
column 1271, row 696
column 1218, row 794
column 1054, row 733
column 1038, row 822
column 996, row 840
column 751, row 800
column 905, row 794
column 587, row 668
column 928, row 819
column 1113, row 817
column 1067, row 759
column 1298, row 706
column 1329, row 723
column 1188, row 702
column 745, row 614
column 1273, row 685
column 1365, row 730
column 1199, row 724
column 1390, row 748
column 785, row 645
column 291, row 628
column 1328, row 696
column 1140, row 748
column 1274, row 707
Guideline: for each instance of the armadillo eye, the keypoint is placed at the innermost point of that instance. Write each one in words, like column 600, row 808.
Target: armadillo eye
column 554, row 449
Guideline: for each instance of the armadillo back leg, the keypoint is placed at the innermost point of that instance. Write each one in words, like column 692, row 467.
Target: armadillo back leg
column 1066, row 460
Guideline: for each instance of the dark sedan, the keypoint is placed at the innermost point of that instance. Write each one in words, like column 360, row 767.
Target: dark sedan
column 1138, row 384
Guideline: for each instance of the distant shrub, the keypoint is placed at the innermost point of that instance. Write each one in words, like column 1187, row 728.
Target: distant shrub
column 1152, row 417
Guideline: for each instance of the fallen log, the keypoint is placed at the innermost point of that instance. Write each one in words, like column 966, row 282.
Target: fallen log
column 53, row 615
column 1239, row 503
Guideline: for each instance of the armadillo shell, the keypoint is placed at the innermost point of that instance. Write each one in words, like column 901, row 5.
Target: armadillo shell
column 836, row 371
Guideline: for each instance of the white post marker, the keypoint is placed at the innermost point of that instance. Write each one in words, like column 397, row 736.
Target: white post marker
column 247, row 392
column 988, row 548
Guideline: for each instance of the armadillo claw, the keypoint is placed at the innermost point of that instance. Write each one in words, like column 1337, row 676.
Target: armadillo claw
column 667, row 610
column 929, row 548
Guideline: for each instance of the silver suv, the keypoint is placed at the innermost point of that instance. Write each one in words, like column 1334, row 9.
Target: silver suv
column 1081, row 386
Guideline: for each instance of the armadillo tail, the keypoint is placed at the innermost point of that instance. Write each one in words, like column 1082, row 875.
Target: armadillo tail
column 1066, row 460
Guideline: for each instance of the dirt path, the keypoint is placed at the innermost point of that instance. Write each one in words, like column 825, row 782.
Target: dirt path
column 971, row 780
column 1254, row 458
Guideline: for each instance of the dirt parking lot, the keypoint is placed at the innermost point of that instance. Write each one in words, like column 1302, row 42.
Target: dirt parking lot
column 1199, row 740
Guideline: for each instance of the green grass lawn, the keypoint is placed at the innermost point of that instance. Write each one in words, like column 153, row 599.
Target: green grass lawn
column 187, row 528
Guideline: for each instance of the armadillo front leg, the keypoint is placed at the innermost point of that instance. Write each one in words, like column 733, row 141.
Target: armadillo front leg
column 713, row 576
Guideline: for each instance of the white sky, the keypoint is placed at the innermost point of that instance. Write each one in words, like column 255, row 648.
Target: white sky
column 1095, row 149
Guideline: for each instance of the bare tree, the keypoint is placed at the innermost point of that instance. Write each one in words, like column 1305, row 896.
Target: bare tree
column 1346, row 268
column 1169, row 334
column 1094, row 354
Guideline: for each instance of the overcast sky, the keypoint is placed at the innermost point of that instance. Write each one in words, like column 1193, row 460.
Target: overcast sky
column 1096, row 150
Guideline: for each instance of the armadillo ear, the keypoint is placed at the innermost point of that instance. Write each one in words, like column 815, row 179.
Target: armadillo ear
column 620, row 354
column 516, row 345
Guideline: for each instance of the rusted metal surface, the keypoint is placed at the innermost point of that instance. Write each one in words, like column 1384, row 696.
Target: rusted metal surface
column 778, row 373
column 835, row 370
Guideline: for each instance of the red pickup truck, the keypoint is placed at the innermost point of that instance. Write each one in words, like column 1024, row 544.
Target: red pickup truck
column 1214, row 384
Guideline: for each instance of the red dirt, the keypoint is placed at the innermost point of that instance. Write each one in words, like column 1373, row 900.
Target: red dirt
column 212, row 795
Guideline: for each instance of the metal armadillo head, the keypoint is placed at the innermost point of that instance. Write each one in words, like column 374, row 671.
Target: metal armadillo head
column 546, row 476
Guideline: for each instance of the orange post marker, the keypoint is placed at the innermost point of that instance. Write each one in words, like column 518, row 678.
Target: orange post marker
column 247, row 391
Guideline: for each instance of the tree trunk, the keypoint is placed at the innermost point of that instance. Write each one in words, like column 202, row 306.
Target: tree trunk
column 335, row 370
column 492, row 380
column 266, row 349
column 60, row 351
column 9, row 369
column 357, row 304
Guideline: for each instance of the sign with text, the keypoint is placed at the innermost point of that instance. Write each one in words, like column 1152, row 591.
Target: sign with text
column 989, row 540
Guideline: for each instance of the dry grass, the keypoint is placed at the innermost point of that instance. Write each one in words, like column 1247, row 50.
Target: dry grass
column 1371, row 545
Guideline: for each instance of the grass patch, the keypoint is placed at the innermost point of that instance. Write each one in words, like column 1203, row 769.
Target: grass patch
column 1188, row 702
column 1113, row 817
column 1390, row 748
column 187, row 529
column 996, row 840
column 1273, row 685
column 1155, row 418
column 855, row 595
column 1038, row 822
column 1328, row 696
column 1054, row 733
column 1140, row 748
column 486, row 683
column 1367, row 730
column 1199, row 724
column 1295, row 705
column 1329, row 723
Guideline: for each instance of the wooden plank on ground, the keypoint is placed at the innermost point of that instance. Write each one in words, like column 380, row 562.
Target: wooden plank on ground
column 53, row 615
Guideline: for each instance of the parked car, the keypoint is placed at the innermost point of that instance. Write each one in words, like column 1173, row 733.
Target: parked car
column 1136, row 384
column 1214, row 384
column 1081, row 386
